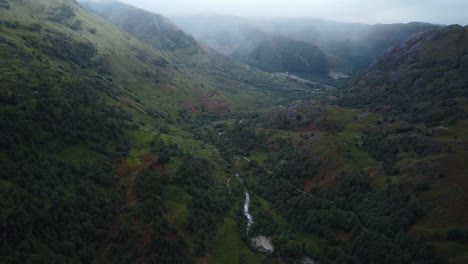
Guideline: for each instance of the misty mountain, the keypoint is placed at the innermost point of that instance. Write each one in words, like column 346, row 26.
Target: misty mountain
column 164, row 35
column 198, row 61
column 281, row 54
column 350, row 47
column 421, row 80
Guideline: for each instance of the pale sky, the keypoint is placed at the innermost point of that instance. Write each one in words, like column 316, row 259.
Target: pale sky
column 365, row 11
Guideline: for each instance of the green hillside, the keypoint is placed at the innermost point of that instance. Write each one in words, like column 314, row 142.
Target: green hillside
column 423, row 80
column 152, row 29
column 96, row 133
column 239, row 84
column 73, row 89
column 123, row 140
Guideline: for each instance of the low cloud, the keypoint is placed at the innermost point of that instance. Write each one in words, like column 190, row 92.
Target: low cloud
column 364, row 11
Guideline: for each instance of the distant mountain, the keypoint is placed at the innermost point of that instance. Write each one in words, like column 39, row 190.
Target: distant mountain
column 364, row 47
column 201, row 62
column 422, row 80
column 281, row 54
column 349, row 47
column 243, row 43
column 225, row 34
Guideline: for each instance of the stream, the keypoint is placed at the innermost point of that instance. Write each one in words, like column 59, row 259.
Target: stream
column 262, row 242
column 246, row 204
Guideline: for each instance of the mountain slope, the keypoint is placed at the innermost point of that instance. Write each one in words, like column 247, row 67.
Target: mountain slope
column 422, row 80
column 420, row 89
column 90, row 117
column 58, row 98
column 99, row 160
column 165, row 36
column 215, row 71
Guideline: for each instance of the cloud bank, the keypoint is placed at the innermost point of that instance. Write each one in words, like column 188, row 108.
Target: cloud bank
column 364, row 11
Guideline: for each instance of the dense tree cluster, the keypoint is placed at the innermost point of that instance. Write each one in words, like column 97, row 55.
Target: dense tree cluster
column 238, row 139
column 208, row 204
column 145, row 234
column 422, row 146
column 376, row 220
column 457, row 234
column 61, row 13
column 53, row 211
column 5, row 4
column 381, row 148
column 61, row 47
column 56, row 209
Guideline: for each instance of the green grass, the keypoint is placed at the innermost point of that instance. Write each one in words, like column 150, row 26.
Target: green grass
column 140, row 138
column 77, row 154
column 133, row 161
column 278, row 219
column 449, row 249
column 176, row 204
column 311, row 241
column 219, row 170
column 343, row 147
column 259, row 157
column 227, row 246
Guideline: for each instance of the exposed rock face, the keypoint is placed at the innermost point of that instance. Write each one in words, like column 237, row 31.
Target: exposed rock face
column 307, row 260
column 263, row 243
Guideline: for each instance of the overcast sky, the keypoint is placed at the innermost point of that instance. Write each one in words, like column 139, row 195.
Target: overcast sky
column 365, row 11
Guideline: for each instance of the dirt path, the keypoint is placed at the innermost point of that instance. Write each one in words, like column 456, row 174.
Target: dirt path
column 130, row 195
column 146, row 161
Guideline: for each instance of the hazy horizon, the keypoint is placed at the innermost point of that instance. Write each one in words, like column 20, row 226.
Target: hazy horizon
column 366, row 11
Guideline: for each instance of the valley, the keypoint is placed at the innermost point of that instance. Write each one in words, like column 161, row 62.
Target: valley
column 126, row 140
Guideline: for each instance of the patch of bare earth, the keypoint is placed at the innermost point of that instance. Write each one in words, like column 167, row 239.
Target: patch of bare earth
column 130, row 103
column 206, row 100
column 124, row 170
column 308, row 184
